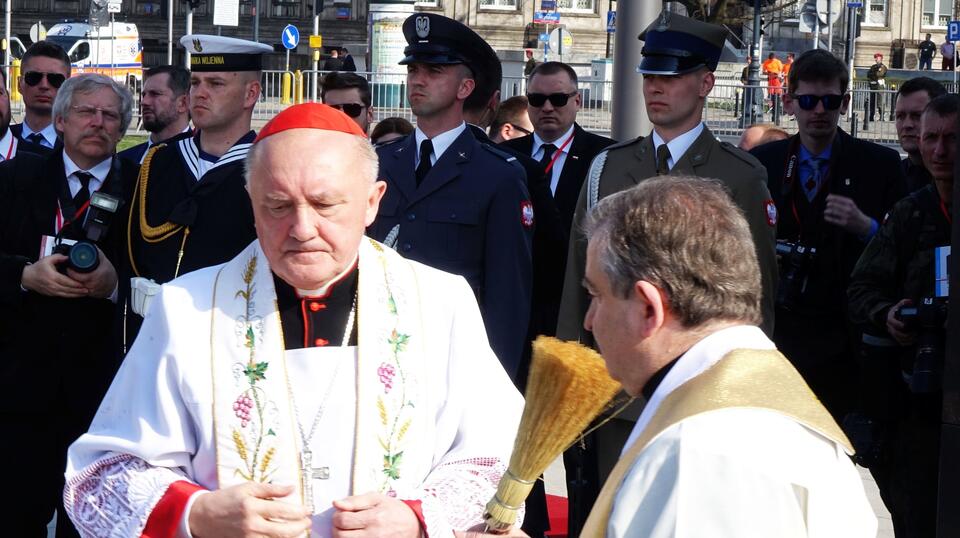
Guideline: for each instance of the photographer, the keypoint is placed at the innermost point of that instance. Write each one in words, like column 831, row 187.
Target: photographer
column 895, row 275
column 831, row 191
column 57, row 300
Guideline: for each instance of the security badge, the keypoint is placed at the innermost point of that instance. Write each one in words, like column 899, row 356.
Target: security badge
column 526, row 214
column 423, row 27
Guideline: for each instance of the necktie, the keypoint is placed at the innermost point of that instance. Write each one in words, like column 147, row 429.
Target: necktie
column 663, row 155
column 83, row 195
column 36, row 138
column 548, row 151
column 426, row 149
column 812, row 185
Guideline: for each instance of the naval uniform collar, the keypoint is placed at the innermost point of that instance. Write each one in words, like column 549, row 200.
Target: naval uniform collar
column 200, row 162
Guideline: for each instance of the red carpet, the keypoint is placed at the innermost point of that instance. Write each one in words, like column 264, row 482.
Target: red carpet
column 557, row 508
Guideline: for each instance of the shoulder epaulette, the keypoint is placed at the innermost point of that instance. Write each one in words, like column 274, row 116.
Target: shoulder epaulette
column 498, row 152
column 740, row 154
column 624, row 144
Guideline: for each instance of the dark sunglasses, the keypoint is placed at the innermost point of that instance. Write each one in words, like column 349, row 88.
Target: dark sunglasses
column 521, row 129
column 558, row 100
column 32, row 78
column 350, row 109
column 809, row 102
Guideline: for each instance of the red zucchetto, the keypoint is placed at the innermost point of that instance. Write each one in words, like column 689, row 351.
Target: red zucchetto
column 310, row 116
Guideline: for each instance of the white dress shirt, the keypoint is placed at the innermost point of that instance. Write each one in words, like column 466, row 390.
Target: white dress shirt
column 99, row 173
column 49, row 134
column 679, row 145
column 563, row 149
column 8, row 146
column 440, row 143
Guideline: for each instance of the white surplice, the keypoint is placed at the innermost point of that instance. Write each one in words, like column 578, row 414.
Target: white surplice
column 737, row 472
column 430, row 414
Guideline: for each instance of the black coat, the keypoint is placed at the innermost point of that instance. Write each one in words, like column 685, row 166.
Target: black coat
column 468, row 218
column 584, row 147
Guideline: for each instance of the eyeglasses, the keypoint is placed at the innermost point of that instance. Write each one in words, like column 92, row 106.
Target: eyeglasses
column 521, row 129
column 32, row 78
column 558, row 100
column 809, row 102
column 350, row 109
column 86, row 112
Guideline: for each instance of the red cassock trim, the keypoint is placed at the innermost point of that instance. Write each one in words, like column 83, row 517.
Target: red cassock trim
column 417, row 508
column 165, row 518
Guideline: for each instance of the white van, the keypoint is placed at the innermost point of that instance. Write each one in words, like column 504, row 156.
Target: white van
column 113, row 50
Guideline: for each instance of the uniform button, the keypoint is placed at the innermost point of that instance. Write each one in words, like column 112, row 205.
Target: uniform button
column 411, row 217
column 316, row 307
column 320, row 342
column 406, row 247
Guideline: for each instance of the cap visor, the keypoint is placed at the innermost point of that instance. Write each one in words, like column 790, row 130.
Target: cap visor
column 667, row 65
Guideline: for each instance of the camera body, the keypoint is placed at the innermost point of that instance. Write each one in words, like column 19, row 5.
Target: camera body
column 928, row 319
column 795, row 262
column 83, row 256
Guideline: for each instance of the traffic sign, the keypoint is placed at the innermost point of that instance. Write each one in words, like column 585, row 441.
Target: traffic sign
column 546, row 17
column 556, row 40
column 544, row 37
column 855, row 3
column 38, row 32
column 114, row 6
column 290, row 37
column 548, row 5
column 316, row 41
column 611, row 21
column 953, row 31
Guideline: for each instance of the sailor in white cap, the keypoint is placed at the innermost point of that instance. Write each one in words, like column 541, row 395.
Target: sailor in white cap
column 190, row 209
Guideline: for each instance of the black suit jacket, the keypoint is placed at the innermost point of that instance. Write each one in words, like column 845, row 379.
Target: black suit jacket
column 584, row 147
column 55, row 353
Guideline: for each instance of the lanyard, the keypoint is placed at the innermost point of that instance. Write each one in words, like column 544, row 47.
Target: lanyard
column 13, row 144
column 943, row 209
column 61, row 224
column 556, row 155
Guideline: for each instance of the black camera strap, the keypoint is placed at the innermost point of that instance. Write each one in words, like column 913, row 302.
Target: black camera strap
column 67, row 207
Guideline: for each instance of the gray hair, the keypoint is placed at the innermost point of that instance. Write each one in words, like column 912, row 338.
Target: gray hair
column 364, row 151
column 685, row 236
column 88, row 83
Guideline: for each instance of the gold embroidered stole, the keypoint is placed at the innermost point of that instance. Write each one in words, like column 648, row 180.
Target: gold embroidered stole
column 744, row 378
column 254, row 430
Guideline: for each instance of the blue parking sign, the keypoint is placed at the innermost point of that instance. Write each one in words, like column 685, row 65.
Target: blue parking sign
column 953, row 31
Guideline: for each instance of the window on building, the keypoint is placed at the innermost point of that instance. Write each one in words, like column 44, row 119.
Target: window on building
column 577, row 6
column 428, row 3
column 936, row 13
column 148, row 7
column 876, row 13
column 498, row 4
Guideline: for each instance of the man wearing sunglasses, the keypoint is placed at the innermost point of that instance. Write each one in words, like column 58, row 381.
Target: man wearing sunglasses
column 511, row 121
column 679, row 57
column 831, row 192
column 44, row 67
column 452, row 202
column 349, row 93
column 563, row 148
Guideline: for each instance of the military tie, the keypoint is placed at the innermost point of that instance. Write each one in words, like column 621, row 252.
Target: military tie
column 36, row 138
column 812, row 185
column 426, row 149
column 83, row 195
column 548, row 151
column 663, row 155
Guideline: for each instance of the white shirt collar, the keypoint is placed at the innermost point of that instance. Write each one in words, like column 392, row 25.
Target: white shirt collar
column 99, row 172
column 323, row 290
column 560, row 142
column 440, row 142
column 49, row 133
column 8, row 146
column 679, row 145
column 695, row 361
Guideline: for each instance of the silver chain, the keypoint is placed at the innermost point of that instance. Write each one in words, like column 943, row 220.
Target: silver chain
column 347, row 333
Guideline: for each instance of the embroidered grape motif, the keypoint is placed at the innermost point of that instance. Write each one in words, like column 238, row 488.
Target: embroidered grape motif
column 242, row 408
column 386, row 373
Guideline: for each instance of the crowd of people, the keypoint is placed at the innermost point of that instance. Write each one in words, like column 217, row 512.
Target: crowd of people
column 336, row 313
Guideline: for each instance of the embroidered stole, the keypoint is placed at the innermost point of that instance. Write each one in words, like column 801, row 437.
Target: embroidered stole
column 254, row 424
column 746, row 378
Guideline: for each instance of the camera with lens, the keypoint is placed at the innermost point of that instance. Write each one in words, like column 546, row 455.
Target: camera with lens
column 83, row 256
column 795, row 262
column 927, row 319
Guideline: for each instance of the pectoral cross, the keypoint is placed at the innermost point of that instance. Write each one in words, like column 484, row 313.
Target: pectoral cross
column 308, row 474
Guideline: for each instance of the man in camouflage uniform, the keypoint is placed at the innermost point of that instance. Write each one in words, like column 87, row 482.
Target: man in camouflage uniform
column 675, row 86
column 896, row 270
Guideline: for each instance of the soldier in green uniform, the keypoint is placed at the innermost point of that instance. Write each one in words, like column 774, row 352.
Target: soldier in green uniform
column 679, row 57
column 897, row 269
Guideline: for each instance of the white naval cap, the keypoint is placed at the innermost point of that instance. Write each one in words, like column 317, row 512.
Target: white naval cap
column 218, row 53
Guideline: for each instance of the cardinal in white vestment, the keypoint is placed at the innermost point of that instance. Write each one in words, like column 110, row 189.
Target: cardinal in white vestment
column 317, row 368
column 731, row 443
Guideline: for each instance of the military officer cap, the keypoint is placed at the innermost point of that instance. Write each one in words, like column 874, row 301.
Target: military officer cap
column 218, row 53
column 435, row 39
column 676, row 45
